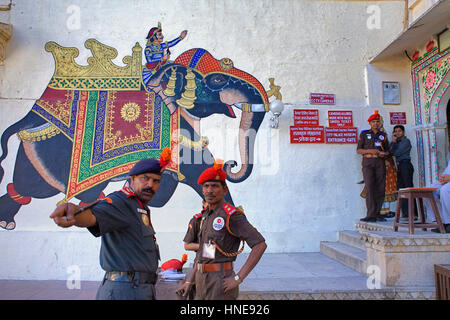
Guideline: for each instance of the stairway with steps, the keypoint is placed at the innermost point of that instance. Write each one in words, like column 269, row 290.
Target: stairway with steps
column 349, row 250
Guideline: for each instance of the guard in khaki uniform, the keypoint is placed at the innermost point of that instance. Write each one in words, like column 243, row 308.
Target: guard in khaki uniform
column 373, row 145
column 222, row 231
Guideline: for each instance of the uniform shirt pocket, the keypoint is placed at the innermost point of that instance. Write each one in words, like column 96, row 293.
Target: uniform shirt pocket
column 148, row 238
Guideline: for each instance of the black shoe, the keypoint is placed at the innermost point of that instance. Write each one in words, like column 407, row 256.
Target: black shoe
column 380, row 219
column 368, row 219
column 446, row 227
column 390, row 214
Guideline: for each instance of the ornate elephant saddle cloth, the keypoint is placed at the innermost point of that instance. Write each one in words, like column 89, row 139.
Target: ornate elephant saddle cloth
column 110, row 131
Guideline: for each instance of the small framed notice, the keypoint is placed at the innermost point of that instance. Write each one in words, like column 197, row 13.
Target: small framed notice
column 391, row 92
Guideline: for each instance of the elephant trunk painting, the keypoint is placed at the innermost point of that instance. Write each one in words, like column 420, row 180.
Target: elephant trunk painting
column 94, row 122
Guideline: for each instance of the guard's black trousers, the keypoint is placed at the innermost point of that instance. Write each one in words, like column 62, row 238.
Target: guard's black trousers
column 405, row 171
column 374, row 174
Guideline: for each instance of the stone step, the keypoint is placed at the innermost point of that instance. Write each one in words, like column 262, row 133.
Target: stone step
column 348, row 255
column 375, row 226
column 352, row 238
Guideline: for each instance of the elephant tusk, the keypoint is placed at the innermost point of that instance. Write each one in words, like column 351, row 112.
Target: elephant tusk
column 247, row 107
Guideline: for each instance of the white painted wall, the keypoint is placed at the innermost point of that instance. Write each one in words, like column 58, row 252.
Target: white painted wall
column 297, row 195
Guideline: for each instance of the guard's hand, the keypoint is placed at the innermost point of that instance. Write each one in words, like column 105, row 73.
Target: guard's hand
column 63, row 215
column 229, row 284
column 184, row 289
column 382, row 154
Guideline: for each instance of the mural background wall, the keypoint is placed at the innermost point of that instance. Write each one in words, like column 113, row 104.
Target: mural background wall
column 297, row 195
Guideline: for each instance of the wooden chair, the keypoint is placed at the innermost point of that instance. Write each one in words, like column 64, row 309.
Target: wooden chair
column 417, row 193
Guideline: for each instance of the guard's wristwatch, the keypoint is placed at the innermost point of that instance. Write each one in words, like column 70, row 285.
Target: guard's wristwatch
column 239, row 280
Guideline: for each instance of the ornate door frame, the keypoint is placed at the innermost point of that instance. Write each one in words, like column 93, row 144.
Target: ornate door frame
column 431, row 81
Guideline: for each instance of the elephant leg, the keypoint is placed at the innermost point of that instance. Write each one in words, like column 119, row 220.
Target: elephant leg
column 169, row 182
column 27, row 184
column 8, row 209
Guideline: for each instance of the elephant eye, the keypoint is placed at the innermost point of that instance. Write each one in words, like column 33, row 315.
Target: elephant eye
column 217, row 81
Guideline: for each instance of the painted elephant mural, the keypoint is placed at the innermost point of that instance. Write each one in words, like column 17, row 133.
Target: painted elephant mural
column 94, row 122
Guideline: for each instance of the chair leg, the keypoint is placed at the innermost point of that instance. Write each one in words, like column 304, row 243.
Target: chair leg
column 437, row 215
column 397, row 213
column 421, row 213
column 411, row 214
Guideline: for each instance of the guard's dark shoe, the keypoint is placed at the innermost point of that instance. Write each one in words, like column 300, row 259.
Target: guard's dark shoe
column 390, row 214
column 368, row 219
column 381, row 219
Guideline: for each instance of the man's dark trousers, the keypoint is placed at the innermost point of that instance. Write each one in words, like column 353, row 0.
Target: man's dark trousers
column 374, row 174
column 405, row 171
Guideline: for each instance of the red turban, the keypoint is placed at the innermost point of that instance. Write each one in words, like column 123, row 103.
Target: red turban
column 375, row 116
column 215, row 173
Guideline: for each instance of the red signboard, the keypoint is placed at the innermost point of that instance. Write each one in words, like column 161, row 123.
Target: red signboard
column 307, row 134
column 398, row 117
column 340, row 119
column 321, row 98
column 306, row 117
column 341, row 135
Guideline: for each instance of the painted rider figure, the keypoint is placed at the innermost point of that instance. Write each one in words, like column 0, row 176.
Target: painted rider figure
column 157, row 52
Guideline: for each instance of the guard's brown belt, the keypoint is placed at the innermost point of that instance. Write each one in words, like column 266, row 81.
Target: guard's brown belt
column 214, row 267
column 370, row 156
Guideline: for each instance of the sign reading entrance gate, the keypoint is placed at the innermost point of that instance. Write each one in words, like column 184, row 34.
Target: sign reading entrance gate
column 341, row 135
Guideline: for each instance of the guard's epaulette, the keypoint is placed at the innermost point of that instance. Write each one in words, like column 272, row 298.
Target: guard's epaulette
column 198, row 215
column 230, row 210
column 364, row 131
column 128, row 192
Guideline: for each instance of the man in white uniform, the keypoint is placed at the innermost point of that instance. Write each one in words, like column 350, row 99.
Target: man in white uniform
column 442, row 195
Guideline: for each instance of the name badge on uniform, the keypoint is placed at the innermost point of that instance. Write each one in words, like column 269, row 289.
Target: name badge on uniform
column 218, row 223
column 209, row 250
column 141, row 210
column 369, row 136
column 145, row 219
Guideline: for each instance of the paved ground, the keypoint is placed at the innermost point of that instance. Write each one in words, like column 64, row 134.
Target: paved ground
column 290, row 272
